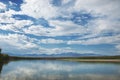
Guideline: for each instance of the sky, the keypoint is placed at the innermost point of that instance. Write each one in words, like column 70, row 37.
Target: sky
column 60, row 26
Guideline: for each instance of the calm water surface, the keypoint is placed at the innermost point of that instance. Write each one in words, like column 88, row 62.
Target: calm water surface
column 58, row 70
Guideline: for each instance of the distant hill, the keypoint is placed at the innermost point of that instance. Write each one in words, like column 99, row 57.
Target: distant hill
column 70, row 54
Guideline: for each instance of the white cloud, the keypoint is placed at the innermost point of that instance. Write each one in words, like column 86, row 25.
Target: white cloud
column 97, row 41
column 22, row 23
column 106, row 7
column 97, row 26
column 13, row 25
column 66, row 28
column 19, row 44
column 60, row 29
column 22, row 44
column 65, row 1
column 39, row 8
column 56, row 50
column 51, row 41
column 107, row 11
column 16, row 40
column 100, row 26
column 7, row 17
column 118, row 47
column 12, row 3
column 37, row 30
column 2, row 7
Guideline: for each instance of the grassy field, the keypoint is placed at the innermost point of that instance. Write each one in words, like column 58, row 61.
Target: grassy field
column 95, row 59
column 4, row 57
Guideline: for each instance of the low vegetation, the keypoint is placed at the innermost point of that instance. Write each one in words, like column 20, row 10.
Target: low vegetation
column 4, row 57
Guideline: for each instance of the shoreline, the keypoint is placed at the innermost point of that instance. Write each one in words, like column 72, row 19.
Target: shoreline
column 116, row 59
column 94, row 60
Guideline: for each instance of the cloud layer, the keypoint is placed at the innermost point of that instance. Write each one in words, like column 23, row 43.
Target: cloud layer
column 51, row 26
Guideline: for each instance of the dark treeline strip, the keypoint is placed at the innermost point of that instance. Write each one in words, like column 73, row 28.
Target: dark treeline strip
column 91, row 57
column 5, row 57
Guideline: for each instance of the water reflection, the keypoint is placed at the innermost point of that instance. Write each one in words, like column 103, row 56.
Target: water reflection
column 1, row 65
column 59, row 70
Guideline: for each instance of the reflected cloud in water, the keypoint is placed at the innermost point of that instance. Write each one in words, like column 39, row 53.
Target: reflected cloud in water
column 59, row 70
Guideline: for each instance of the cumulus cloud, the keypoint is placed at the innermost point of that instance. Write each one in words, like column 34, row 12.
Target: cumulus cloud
column 101, row 26
column 41, row 8
column 37, row 30
column 60, row 27
column 18, row 44
column 56, row 50
column 16, row 25
column 118, row 46
column 91, row 21
column 23, row 44
column 98, row 40
column 7, row 17
column 16, row 40
column 106, row 7
column 2, row 7
column 67, row 28
column 51, row 41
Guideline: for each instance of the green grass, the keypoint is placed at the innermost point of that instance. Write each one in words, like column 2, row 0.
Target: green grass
column 5, row 57
column 95, row 59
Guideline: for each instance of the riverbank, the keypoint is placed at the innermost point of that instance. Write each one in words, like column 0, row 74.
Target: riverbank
column 115, row 59
column 94, row 60
column 5, row 57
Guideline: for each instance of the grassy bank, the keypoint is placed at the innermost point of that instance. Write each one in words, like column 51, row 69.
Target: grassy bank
column 5, row 57
column 95, row 59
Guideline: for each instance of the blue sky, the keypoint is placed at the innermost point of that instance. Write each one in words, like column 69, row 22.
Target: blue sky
column 60, row 26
